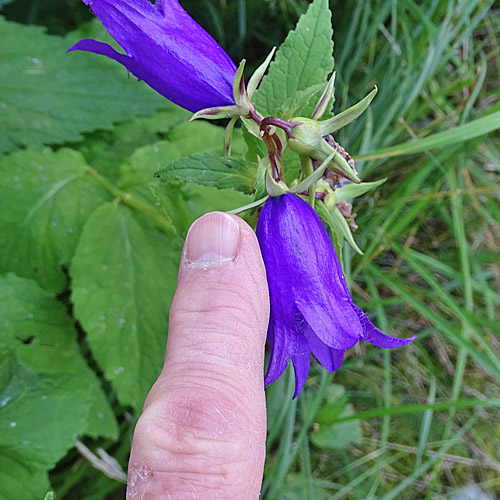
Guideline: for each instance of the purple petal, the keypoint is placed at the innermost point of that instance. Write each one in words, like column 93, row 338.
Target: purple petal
column 330, row 358
column 279, row 353
column 376, row 337
column 301, row 360
column 169, row 51
column 89, row 45
column 329, row 329
column 312, row 270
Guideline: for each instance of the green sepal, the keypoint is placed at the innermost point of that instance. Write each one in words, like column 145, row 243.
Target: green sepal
column 274, row 188
column 228, row 136
column 250, row 206
column 308, row 140
column 256, row 78
column 214, row 113
column 239, row 82
column 347, row 116
column 251, row 126
column 313, row 178
column 350, row 191
column 338, row 225
column 325, row 99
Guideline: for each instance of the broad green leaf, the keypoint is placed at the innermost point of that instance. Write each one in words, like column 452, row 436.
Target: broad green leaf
column 304, row 59
column 302, row 103
column 180, row 141
column 41, row 416
column 46, row 199
column 212, row 170
column 188, row 201
column 48, row 96
column 106, row 150
column 19, row 480
column 37, row 326
column 462, row 133
column 124, row 274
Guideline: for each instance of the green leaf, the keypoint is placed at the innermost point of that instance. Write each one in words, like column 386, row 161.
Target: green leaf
column 46, row 199
column 124, row 274
column 336, row 436
column 180, row 141
column 40, row 419
column 37, row 326
column 48, row 96
column 304, row 59
column 212, row 170
column 19, row 480
column 462, row 133
column 302, row 103
column 106, row 151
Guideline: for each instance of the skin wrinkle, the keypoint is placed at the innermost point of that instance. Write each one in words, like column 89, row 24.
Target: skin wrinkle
column 203, row 427
column 227, row 390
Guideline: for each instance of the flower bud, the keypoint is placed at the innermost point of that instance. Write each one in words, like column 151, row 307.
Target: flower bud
column 308, row 141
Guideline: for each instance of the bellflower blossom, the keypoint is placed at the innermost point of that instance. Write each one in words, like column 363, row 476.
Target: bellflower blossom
column 167, row 49
column 311, row 307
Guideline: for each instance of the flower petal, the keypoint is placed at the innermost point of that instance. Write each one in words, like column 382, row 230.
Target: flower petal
column 376, row 337
column 170, row 51
column 303, row 269
column 89, row 45
column 279, row 353
column 301, row 360
column 330, row 358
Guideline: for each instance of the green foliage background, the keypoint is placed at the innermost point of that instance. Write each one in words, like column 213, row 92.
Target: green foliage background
column 90, row 240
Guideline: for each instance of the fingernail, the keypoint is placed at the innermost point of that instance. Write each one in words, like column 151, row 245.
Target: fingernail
column 212, row 240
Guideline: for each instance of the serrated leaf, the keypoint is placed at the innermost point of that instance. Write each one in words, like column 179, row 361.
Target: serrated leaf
column 302, row 103
column 48, row 96
column 124, row 274
column 41, row 417
column 180, row 141
column 106, row 151
column 213, row 170
column 304, row 59
column 37, row 327
column 354, row 190
column 46, row 199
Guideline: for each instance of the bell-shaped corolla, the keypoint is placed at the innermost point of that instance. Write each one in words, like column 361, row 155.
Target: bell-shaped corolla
column 311, row 307
column 167, row 49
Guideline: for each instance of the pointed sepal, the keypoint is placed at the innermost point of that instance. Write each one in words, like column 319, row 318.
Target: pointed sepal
column 256, row 78
column 347, row 116
column 325, row 99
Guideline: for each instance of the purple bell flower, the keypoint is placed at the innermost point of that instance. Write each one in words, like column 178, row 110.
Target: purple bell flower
column 167, row 49
column 311, row 307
